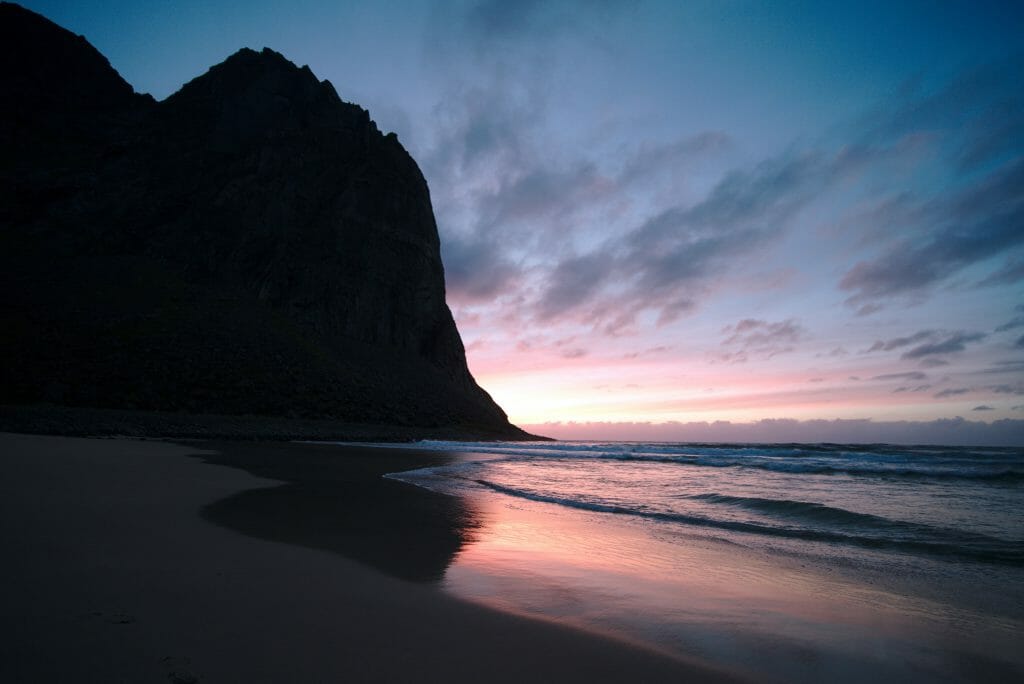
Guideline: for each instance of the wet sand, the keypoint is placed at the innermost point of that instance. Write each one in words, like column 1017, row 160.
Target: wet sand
column 132, row 561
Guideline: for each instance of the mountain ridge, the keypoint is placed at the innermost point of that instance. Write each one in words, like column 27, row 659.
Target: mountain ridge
column 250, row 245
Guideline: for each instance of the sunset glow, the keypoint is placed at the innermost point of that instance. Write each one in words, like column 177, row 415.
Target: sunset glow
column 719, row 211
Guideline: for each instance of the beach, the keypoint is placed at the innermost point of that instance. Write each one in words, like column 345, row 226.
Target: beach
column 795, row 563
column 137, row 561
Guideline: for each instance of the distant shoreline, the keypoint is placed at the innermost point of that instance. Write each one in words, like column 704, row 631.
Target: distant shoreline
column 42, row 419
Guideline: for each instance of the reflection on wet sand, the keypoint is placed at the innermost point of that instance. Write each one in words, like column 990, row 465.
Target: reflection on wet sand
column 774, row 617
column 336, row 499
column 801, row 622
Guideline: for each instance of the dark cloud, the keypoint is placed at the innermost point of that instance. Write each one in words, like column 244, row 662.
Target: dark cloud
column 1019, row 344
column 508, row 200
column 935, row 342
column 575, row 353
column 980, row 110
column 955, row 342
column 868, row 309
column 998, row 128
column 761, row 339
column 645, row 352
column 976, row 123
column 671, row 257
column 652, row 159
column 979, row 223
column 1007, row 389
column 912, row 375
column 952, row 392
column 544, row 193
column 476, row 269
column 1011, row 325
column 482, row 127
column 573, row 282
column 1010, row 273
column 898, row 342
column 768, row 193
column 1003, row 368
column 919, row 388
column 983, row 408
column 752, row 333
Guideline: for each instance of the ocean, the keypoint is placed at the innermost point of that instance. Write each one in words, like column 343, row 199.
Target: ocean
column 793, row 562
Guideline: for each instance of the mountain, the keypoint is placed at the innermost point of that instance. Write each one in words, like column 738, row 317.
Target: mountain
column 252, row 245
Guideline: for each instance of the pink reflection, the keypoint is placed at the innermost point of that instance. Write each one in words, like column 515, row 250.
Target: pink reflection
column 704, row 598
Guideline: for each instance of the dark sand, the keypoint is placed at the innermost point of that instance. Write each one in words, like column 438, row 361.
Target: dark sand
column 127, row 561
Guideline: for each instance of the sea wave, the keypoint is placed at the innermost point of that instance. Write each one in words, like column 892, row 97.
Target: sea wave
column 990, row 465
column 861, row 529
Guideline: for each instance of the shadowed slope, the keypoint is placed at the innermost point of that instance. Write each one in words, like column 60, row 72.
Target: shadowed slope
column 251, row 245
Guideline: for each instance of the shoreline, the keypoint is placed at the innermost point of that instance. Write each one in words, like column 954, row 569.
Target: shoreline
column 779, row 610
column 117, row 574
column 71, row 421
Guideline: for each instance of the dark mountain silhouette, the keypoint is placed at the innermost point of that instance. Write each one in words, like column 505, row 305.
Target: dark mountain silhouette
column 250, row 245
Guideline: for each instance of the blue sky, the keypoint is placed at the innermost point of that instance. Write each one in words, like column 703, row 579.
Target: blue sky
column 662, row 212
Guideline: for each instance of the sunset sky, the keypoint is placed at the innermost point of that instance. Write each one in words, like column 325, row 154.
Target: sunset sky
column 661, row 212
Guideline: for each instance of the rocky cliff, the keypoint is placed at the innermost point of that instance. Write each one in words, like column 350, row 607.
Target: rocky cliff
column 250, row 245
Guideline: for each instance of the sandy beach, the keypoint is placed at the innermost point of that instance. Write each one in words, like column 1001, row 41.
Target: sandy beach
column 136, row 561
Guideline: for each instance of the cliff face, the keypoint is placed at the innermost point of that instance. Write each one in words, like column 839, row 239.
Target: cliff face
column 251, row 244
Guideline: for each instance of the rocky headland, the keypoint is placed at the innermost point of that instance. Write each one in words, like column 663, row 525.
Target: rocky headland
column 251, row 246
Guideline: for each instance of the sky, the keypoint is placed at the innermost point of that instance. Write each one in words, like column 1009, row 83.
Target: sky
column 665, row 220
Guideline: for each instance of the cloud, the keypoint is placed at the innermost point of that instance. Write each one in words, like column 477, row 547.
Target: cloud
column 898, row 342
column 951, row 392
column 1003, row 368
column 573, row 282
column 1011, row 325
column 475, row 270
column 579, row 236
column 1007, row 389
column 761, row 338
column 955, row 342
column 979, row 111
column 653, row 159
column 912, row 375
column 974, row 125
column 670, row 258
column 544, row 192
column 948, row 431
column 935, row 342
column 1009, row 273
column 998, row 128
column 983, row 408
column 919, row 388
column 980, row 222
column 1019, row 344
column 650, row 350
